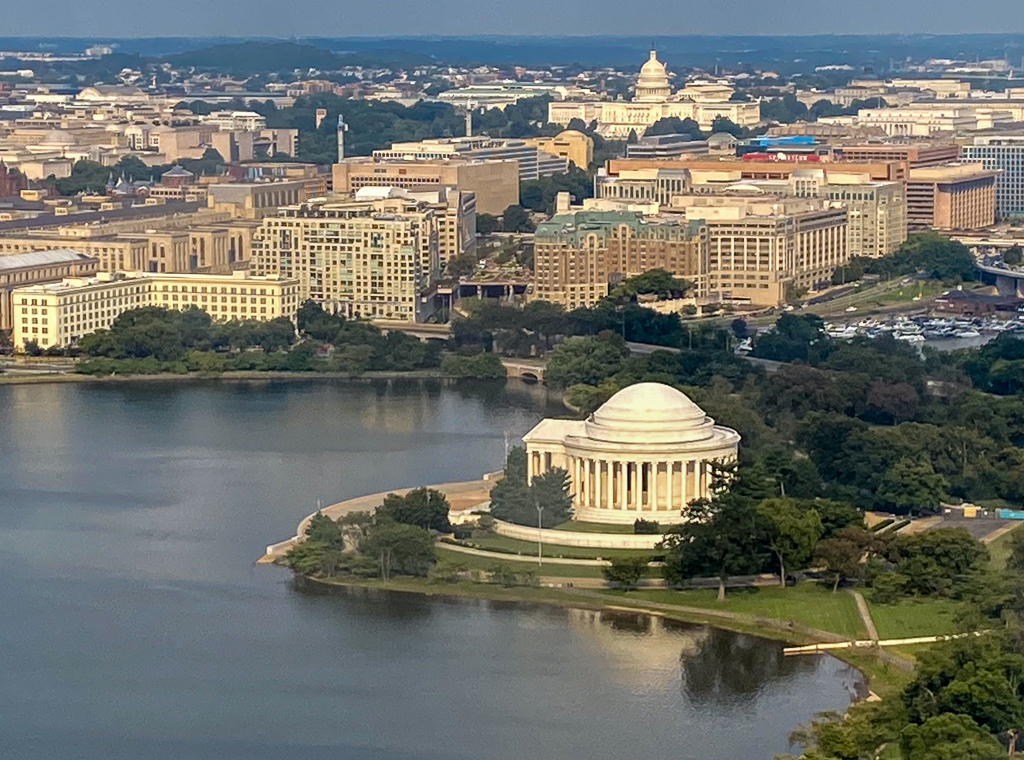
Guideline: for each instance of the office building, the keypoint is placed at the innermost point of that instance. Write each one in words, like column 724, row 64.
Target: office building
column 1005, row 154
column 915, row 155
column 575, row 147
column 877, row 210
column 954, row 197
column 454, row 214
column 494, row 183
column 666, row 146
column 370, row 259
column 763, row 248
column 60, row 313
column 533, row 162
column 21, row 269
column 257, row 199
column 579, row 256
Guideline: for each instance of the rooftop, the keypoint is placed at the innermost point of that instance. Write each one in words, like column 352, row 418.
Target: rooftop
column 40, row 258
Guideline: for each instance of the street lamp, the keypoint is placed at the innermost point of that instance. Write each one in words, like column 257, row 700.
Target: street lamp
column 540, row 544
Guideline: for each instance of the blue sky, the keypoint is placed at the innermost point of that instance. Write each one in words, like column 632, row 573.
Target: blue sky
column 283, row 18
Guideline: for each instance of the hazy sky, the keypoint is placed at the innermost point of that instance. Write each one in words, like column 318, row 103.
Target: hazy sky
column 283, row 18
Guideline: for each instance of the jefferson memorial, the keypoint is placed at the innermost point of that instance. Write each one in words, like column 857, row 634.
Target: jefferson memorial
column 645, row 453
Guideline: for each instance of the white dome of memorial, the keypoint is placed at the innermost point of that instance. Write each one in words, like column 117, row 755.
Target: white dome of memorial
column 645, row 453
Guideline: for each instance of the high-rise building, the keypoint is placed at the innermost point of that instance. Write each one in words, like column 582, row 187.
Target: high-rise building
column 954, row 197
column 571, row 145
column 1003, row 153
column 21, row 269
column 763, row 247
column 494, row 183
column 579, row 256
column 60, row 313
column 372, row 259
column 878, row 211
column 533, row 162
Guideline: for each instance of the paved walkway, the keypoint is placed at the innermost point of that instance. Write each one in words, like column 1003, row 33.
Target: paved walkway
column 865, row 616
column 461, row 495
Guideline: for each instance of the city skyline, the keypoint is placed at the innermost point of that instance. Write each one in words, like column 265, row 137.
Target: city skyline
column 528, row 18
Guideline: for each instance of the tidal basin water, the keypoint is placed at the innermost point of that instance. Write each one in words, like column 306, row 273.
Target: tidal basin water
column 133, row 623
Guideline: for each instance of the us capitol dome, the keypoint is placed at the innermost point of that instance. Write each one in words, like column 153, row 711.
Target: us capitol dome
column 646, row 453
column 652, row 85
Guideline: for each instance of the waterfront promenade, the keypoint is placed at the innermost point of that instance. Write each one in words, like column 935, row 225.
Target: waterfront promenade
column 462, row 496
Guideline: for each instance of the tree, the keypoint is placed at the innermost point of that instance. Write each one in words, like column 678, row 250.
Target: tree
column 948, row 737
column 322, row 529
column 911, row 485
column 551, row 491
column 424, row 507
column 792, row 532
column 486, row 224
column 841, row 555
column 403, row 549
column 1013, row 256
column 625, row 572
column 1015, row 561
column 515, row 219
column 587, row 360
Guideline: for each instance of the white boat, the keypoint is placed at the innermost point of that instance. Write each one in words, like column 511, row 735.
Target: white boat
column 968, row 333
column 910, row 337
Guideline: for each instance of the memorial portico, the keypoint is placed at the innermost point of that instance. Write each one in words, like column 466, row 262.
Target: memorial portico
column 646, row 453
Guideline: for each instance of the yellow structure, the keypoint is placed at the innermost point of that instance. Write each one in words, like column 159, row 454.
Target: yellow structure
column 570, row 144
column 373, row 259
column 763, row 246
column 60, row 313
column 495, row 183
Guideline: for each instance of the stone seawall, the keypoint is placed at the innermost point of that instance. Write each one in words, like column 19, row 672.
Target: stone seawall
column 462, row 495
column 573, row 538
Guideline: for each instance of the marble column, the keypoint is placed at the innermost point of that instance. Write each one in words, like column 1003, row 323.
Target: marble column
column 655, row 468
column 671, row 475
column 635, row 486
column 610, row 484
column 684, row 466
column 590, row 483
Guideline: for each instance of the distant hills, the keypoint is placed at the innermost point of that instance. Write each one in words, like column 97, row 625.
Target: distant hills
column 879, row 53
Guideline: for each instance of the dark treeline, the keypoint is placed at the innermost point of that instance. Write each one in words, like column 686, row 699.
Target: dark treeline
column 153, row 340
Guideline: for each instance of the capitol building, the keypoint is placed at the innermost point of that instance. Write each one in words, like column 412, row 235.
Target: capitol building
column 646, row 453
column 701, row 101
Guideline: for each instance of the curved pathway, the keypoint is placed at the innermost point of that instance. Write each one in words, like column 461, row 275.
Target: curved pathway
column 462, row 495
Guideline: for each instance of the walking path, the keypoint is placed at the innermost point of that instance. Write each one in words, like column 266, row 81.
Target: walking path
column 462, row 495
column 865, row 616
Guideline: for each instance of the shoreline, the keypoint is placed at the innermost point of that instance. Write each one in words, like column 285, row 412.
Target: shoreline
column 233, row 376
column 872, row 668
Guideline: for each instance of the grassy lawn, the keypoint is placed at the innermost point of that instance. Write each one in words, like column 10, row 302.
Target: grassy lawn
column 579, row 526
column 807, row 604
column 999, row 550
column 515, row 546
column 913, row 617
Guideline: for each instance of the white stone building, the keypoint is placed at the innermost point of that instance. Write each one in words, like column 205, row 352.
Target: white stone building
column 701, row 101
column 646, row 453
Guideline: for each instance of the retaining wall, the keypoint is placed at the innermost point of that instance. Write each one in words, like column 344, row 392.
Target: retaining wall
column 573, row 538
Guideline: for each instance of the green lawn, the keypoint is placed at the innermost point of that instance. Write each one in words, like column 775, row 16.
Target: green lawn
column 913, row 617
column 515, row 546
column 579, row 526
column 807, row 604
column 473, row 562
column 999, row 550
